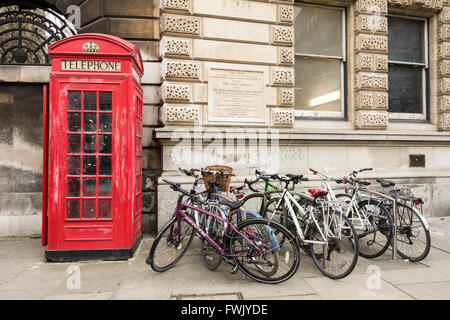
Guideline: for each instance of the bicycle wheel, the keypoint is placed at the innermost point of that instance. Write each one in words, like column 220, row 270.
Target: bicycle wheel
column 413, row 238
column 214, row 228
column 254, row 202
column 275, row 263
column 377, row 239
column 170, row 244
column 337, row 257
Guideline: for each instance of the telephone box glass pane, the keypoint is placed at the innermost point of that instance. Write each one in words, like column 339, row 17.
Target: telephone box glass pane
column 105, row 144
column 105, row 166
column 105, row 101
column 74, row 98
column 89, row 209
column 73, row 209
column 73, row 143
column 89, row 187
column 90, row 122
column 105, row 124
column 90, row 143
column 73, row 166
column 104, row 187
column 74, row 122
column 90, row 100
column 104, row 209
column 90, row 166
column 73, row 187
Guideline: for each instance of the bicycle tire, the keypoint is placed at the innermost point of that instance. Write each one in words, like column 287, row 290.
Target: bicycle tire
column 288, row 254
column 352, row 245
column 210, row 257
column 404, row 231
column 382, row 222
column 164, row 240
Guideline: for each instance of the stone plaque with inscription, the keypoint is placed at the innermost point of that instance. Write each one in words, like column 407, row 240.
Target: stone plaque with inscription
column 236, row 96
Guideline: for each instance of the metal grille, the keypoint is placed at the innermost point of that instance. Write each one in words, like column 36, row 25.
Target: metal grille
column 26, row 34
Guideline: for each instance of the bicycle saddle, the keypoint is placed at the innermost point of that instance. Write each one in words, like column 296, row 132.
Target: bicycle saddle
column 232, row 205
column 295, row 176
column 386, row 183
column 237, row 187
column 317, row 193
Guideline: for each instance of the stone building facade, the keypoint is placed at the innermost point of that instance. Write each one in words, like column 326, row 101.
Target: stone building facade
column 274, row 84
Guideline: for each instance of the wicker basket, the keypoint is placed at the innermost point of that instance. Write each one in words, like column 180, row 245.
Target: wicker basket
column 224, row 182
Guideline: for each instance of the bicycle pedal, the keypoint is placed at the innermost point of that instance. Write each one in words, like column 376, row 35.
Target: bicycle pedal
column 234, row 270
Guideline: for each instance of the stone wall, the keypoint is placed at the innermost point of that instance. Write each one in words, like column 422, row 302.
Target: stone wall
column 200, row 35
column 138, row 22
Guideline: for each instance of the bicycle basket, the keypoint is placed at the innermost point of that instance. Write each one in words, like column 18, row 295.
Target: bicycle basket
column 223, row 181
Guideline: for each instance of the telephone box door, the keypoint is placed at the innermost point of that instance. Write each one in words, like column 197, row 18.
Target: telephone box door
column 90, row 157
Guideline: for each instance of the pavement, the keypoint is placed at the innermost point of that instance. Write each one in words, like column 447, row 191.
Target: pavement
column 25, row 275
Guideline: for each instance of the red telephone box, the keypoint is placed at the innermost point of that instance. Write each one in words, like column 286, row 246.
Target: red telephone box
column 93, row 153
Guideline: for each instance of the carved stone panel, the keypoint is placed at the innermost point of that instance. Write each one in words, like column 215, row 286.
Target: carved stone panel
column 286, row 96
column 180, row 24
column 283, row 117
column 282, row 35
column 180, row 113
column 371, row 42
column 182, row 5
column 175, row 47
column 286, row 14
column 172, row 91
column 286, row 55
column 374, row 81
column 371, row 120
column 174, row 69
column 283, row 76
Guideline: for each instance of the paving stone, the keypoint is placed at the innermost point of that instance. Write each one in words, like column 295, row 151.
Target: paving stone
column 428, row 291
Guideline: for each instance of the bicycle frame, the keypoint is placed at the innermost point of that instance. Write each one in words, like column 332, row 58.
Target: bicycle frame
column 179, row 214
column 287, row 197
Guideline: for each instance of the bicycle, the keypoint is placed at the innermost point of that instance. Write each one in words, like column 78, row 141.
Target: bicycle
column 324, row 232
column 250, row 246
column 370, row 217
column 412, row 229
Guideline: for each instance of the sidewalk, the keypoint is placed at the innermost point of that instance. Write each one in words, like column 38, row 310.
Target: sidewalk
column 24, row 274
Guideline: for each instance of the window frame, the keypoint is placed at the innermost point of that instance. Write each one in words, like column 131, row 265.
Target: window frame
column 328, row 115
column 415, row 117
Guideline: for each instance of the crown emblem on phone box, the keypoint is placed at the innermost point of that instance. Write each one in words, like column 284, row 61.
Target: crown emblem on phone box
column 91, row 46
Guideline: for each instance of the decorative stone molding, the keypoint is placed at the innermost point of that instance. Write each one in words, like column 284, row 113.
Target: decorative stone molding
column 283, row 117
column 371, row 6
column 180, row 24
column 444, row 67
column 444, row 15
column 371, row 42
column 283, row 76
column 285, row 14
column 368, row 100
column 417, row 4
column 182, row 5
column 185, row 70
column 444, row 104
column 180, row 113
column 286, row 55
column 444, row 50
column 371, row 23
column 371, row 120
column 444, row 32
column 176, row 91
column 371, row 62
column 286, row 96
column 175, row 47
column 444, row 121
column 444, row 85
column 282, row 35
column 374, row 81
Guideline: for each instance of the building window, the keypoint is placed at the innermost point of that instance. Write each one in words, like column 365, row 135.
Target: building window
column 408, row 68
column 320, row 56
